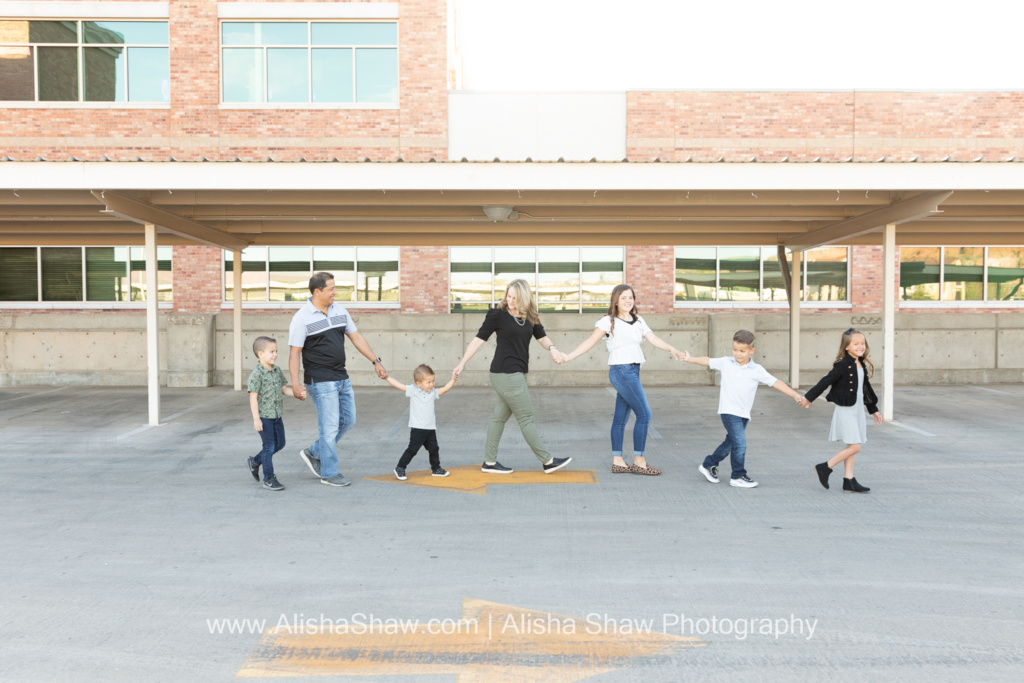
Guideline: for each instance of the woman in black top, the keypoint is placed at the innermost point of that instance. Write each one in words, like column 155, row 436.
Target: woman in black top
column 515, row 321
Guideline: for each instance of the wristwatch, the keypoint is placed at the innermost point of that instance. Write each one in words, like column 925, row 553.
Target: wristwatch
column 377, row 360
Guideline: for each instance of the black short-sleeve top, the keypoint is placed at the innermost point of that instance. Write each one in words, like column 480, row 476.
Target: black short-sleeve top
column 513, row 351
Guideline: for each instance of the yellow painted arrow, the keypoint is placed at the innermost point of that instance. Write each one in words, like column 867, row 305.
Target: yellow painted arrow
column 469, row 479
column 489, row 643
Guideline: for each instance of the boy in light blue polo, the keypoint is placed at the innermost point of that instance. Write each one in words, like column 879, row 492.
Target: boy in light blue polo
column 422, row 423
column 740, row 377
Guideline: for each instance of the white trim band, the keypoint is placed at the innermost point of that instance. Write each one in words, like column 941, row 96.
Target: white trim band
column 307, row 10
column 85, row 10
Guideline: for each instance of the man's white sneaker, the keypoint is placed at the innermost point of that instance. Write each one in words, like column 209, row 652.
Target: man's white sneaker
column 743, row 482
column 709, row 474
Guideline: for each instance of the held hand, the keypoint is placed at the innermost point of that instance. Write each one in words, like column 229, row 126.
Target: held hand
column 878, row 418
column 677, row 354
column 556, row 355
column 381, row 372
column 458, row 370
column 685, row 355
column 802, row 402
column 561, row 358
column 258, row 424
column 299, row 391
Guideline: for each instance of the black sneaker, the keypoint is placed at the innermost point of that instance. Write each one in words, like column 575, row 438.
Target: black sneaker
column 273, row 484
column 311, row 460
column 439, row 472
column 254, row 469
column 400, row 473
column 495, row 468
column 556, row 464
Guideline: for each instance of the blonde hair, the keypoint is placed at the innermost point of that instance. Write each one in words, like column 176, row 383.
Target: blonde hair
column 845, row 341
column 524, row 301
column 614, row 305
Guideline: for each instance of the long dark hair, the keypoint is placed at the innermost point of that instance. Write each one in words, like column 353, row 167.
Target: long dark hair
column 614, row 305
column 845, row 341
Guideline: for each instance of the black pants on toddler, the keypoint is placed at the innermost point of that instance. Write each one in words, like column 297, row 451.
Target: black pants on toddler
column 417, row 439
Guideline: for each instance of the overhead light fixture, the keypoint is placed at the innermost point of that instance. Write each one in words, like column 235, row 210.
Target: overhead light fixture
column 500, row 214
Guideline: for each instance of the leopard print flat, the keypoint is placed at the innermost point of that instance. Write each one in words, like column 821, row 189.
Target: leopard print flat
column 619, row 469
column 651, row 471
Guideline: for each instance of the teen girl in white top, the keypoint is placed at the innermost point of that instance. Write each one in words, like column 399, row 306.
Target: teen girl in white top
column 624, row 331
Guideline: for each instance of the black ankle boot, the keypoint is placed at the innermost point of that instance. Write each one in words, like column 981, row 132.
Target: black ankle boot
column 823, row 471
column 852, row 486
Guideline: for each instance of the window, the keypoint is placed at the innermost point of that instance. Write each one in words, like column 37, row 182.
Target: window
column 84, row 61
column 564, row 279
column 281, row 274
column 751, row 275
column 962, row 274
column 310, row 62
column 81, row 274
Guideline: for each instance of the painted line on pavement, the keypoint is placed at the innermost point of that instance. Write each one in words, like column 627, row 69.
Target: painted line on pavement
column 38, row 393
column 171, row 417
column 912, row 429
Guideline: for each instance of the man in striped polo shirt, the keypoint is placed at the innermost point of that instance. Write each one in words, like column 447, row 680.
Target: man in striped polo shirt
column 317, row 334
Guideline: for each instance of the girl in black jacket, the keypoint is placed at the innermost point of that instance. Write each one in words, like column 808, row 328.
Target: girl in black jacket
column 848, row 387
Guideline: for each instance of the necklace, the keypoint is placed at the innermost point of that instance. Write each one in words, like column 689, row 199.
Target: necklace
column 518, row 322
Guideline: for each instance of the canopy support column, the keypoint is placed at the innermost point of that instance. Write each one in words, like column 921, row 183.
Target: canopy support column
column 237, row 316
column 152, row 326
column 794, row 319
column 888, row 318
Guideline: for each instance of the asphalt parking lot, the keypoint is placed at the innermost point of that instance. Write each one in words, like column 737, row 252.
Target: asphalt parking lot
column 136, row 553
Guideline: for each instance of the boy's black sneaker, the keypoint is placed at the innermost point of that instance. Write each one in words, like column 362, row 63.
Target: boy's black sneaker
column 273, row 484
column 556, row 464
column 400, row 473
column 495, row 468
column 439, row 472
column 254, row 469
column 311, row 460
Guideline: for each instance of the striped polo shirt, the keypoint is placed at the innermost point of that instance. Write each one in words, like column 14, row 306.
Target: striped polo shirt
column 322, row 340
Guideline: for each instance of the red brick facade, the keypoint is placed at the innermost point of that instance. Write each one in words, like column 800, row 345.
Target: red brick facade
column 198, row 279
column 196, row 126
column 830, row 126
column 424, row 279
column 651, row 271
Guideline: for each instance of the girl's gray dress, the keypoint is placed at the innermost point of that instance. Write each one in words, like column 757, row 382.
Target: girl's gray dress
column 848, row 422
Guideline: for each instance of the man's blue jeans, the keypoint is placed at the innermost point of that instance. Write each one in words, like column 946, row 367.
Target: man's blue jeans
column 336, row 414
column 735, row 445
column 630, row 397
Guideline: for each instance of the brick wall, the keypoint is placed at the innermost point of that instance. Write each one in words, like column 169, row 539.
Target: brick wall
column 651, row 272
column 194, row 126
column 198, row 274
column 424, row 279
column 832, row 126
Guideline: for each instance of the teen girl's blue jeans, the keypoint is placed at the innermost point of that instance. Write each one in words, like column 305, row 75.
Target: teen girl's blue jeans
column 273, row 441
column 336, row 414
column 735, row 445
column 630, row 398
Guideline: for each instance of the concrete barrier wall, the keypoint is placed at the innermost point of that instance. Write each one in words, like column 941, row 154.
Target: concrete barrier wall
column 84, row 348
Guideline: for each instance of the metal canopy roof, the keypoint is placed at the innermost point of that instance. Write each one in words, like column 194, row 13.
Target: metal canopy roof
column 443, row 204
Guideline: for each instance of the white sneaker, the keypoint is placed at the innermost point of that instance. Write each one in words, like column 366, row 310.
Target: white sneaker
column 743, row 482
column 709, row 474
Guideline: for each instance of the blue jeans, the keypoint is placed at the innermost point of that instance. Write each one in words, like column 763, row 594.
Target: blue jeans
column 273, row 441
column 336, row 414
column 735, row 445
column 631, row 397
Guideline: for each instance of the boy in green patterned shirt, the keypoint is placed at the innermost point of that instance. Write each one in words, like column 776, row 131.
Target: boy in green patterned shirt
column 266, row 385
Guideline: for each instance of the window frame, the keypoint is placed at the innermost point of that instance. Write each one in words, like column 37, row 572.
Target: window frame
column 804, row 302
column 40, row 303
column 228, row 304
column 984, row 302
column 80, row 45
column 536, row 275
column 308, row 47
